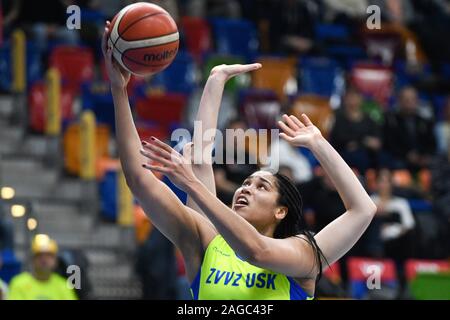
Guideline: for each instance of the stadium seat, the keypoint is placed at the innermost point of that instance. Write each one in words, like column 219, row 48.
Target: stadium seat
column 402, row 178
column 374, row 81
column 235, row 37
column 107, row 188
column 180, row 76
column 33, row 65
column 71, row 146
column 96, row 96
column 361, row 269
column 320, row 76
column 145, row 130
column 10, row 265
column 415, row 266
column 317, row 109
column 333, row 273
column 165, row 110
column 261, row 110
column 197, row 36
column 37, row 100
column 331, row 32
column 142, row 224
column 277, row 74
column 75, row 64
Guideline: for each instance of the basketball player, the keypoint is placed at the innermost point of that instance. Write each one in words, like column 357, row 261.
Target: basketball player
column 259, row 248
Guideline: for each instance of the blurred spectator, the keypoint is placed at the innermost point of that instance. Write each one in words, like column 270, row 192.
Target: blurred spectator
column 440, row 188
column 157, row 267
column 397, row 11
column 321, row 201
column 43, row 23
column 394, row 219
column 354, row 135
column 443, row 130
column 212, row 8
column 345, row 9
column 408, row 136
column 292, row 25
column 43, row 283
column 228, row 174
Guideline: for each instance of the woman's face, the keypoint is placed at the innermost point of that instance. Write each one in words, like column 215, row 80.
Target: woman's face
column 256, row 201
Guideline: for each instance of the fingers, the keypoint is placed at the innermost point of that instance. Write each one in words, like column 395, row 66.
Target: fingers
column 306, row 120
column 187, row 151
column 155, row 168
column 152, row 156
column 285, row 137
column 157, row 150
column 164, row 146
column 286, row 129
column 296, row 121
column 290, row 123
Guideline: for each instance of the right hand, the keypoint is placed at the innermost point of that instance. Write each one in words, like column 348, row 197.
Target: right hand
column 118, row 76
column 226, row 72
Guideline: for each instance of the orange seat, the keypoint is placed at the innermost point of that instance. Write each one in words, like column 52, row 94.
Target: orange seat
column 402, row 178
column 317, row 109
column 142, row 224
column 276, row 74
column 425, row 179
column 75, row 65
column 71, row 146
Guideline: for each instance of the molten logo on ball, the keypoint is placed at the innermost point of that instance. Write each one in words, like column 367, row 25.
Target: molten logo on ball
column 160, row 56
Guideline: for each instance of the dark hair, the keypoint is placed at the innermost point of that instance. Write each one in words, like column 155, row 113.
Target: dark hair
column 293, row 223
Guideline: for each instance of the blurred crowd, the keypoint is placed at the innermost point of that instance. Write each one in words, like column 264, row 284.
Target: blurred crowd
column 399, row 146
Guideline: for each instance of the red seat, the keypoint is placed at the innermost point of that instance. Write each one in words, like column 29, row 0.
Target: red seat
column 37, row 101
column 413, row 266
column 373, row 80
column 197, row 35
column 361, row 268
column 333, row 273
column 75, row 64
column 146, row 131
column 163, row 109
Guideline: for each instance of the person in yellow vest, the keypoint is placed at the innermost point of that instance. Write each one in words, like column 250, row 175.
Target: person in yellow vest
column 42, row 283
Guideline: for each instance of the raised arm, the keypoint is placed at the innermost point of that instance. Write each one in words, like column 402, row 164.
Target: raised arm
column 181, row 225
column 206, row 119
column 292, row 256
column 339, row 236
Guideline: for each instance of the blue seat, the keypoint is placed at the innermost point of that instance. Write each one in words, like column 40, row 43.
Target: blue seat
column 97, row 97
column 321, row 76
column 404, row 78
column 235, row 37
column 108, row 195
column 11, row 266
column 179, row 77
column 33, row 65
column 327, row 32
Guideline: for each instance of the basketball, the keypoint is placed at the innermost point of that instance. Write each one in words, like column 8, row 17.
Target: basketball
column 144, row 38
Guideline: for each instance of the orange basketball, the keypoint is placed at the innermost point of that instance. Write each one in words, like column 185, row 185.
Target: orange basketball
column 144, row 38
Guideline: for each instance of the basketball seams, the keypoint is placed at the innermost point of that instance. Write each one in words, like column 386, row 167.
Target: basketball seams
column 151, row 42
column 122, row 46
column 137, row 20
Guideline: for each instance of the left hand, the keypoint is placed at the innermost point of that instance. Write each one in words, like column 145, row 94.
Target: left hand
column 299, row 133
column 177, row 167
